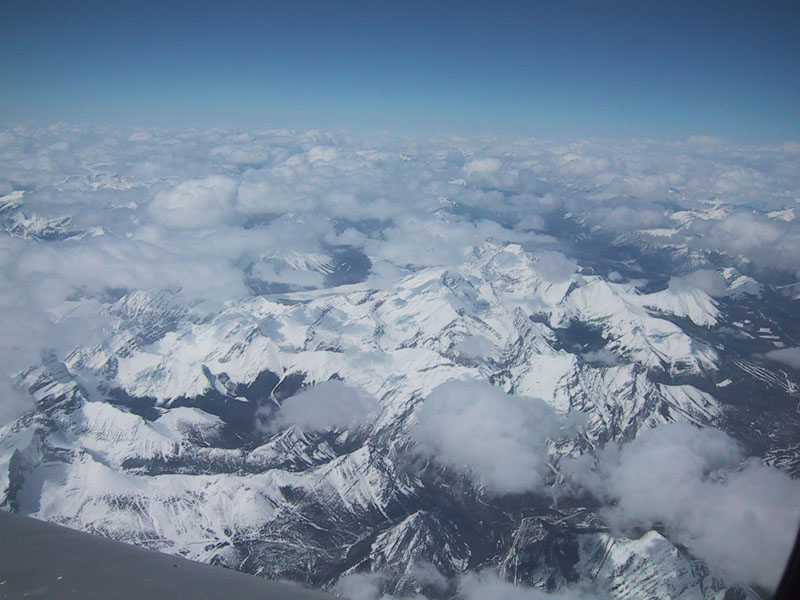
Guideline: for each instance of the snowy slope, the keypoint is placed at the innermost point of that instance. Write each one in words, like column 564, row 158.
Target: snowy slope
column 161, row 436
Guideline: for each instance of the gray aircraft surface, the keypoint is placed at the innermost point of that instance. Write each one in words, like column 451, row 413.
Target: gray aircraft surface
column 43, row 560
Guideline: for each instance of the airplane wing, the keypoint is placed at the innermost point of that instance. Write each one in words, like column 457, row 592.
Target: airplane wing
column 44, row 560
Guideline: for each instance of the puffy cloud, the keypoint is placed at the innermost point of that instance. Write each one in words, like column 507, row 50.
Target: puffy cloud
column 577, row 163
column 272, row 197
column 359, row 586
column 38, row 314
column 706, row 280
column 196, row 204
column 471, row 586
column 367, row 586
column 766, row 243
column 628, row 216
column 791, row 147
column 704, row 139
column 150, row 259
column 474, row 346
column 322, row 154
column 6, row 138
column 786, row 356
column 13, row 402
column 554, row 266
column 210, row 212
column 476, row 427
column 482, row 166
column 487, row 584
column 428, row 576
column 433, row 242
column 530, row 223
column 740, row 232
column 272, row 272
column 328, row 405
column 740, row 522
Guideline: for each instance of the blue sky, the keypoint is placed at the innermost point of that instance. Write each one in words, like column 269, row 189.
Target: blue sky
column 549, row 69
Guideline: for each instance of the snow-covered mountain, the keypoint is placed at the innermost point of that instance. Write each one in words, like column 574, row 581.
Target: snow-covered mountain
column 160, row 436
column 219, row 378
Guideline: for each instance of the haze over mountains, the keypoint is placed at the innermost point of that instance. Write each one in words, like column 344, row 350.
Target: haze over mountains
column 400, row 367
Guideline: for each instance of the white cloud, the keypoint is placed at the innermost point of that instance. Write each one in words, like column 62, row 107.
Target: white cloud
column 628, row 216
column 171, row 210
column 427, row 575
column 786, row 356
column 328, row 405
column 13, row 402
column 415, row 240
column 277, row 273
column 487, row 584
column 272, row 197
column 483, row 166
column 366, row 586
column 554, row 266
column 359, row 586
column 151, row 259
column 476, row 427
column 530, row 223
column 741, row 523
column 322, row 154
column 706, row 280
column 482, row 585
column 769, row 244
column 196, row 204
column 474, row 346
column 791, row 147
column 704, row 139
column 6, row 138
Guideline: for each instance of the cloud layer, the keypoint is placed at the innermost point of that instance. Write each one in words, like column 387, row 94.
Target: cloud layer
column 196, row 204
column 89, row 214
